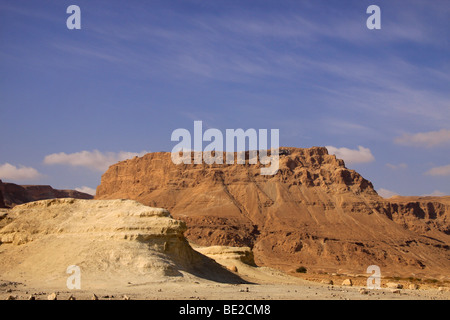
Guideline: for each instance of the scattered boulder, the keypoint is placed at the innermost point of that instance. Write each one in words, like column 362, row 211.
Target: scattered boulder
column 347, row 282
column 233, row 268
column 394, row 285
column 363, row 291
column 53, row 296
column 413, row 286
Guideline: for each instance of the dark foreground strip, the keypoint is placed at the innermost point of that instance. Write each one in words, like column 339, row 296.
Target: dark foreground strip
column 223, row 309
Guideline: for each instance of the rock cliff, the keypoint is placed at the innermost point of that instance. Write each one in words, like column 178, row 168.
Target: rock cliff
column 314, row 212
column 2, row 202
column 12, row 194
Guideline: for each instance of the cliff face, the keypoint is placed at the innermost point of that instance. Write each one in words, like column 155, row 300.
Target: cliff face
column 420, row 214
column 314, row 212
column 2, row 202
column 12, row 194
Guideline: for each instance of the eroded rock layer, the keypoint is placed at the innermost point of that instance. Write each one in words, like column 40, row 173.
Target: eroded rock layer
column 111, row 241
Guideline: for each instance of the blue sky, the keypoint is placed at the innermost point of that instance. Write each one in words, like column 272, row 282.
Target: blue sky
column 74, row 101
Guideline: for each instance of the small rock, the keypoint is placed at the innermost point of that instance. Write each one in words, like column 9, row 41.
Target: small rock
column 11, row 298
column 394, row 285
column 363, row 291
column 413, row 286
column 31, row 297
column 53, row 296
column 233, row 268
column 330, row 282
column 8, row 291
column 441, row 289
column 395, row 291
column 347, row 282
column 125, row 297
column 71, row 298
column 94, row 297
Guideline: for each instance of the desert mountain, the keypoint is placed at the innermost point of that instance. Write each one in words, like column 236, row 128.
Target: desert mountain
column 314, row 212
column 2, row 202
column 12, row 194
column 114, row 242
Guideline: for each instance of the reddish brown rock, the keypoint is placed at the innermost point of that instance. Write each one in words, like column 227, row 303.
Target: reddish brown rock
column 2, row 202
column 421, row 214
column 12, row 194
column 314, row 212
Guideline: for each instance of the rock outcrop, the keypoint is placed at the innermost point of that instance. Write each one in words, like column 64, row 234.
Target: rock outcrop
column 420, row 214
column 2, row 202
column 112, row 242
column 314, row 212
column 12, row 194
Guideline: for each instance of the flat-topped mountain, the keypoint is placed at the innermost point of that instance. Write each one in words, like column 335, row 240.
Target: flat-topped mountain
column 314, row 212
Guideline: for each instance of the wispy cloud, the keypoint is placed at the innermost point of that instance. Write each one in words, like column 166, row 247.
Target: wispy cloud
column 425, row 139
column 439, row 171
column 397, row 166
column 19, row 173
column 94, row 160
column 87, row 190
column 435, row 193
column 352, row 156
column 385, row 193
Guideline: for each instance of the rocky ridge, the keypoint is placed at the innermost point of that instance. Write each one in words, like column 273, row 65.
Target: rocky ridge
column 12, row 194
column 314, row 212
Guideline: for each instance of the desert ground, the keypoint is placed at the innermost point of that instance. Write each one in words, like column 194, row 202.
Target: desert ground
column 265, row 284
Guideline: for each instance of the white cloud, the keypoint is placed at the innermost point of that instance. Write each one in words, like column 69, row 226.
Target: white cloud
column 397, row 166
column 435, row 193
column 11, row 172
column 385, row 193
column 425, row 139
column 94, row 160
column 351, row 156
column 87, row 190
column 439, row 171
